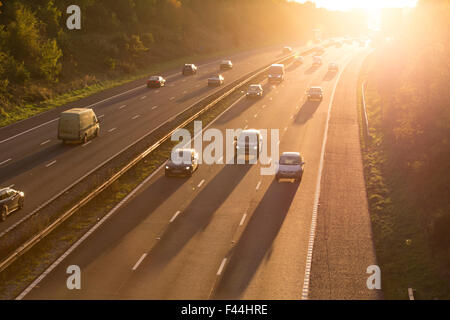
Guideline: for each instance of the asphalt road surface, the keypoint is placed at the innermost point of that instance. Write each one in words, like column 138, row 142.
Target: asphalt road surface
column 31, row 156
column 228, row 231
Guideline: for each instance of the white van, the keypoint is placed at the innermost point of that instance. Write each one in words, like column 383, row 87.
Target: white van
column 78, row 125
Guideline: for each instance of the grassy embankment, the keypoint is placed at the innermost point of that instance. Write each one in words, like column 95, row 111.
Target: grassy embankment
column 406, row 257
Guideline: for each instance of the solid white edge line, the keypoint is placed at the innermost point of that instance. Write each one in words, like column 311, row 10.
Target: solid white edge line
column 258, row 185
column 139, row 262
column 312, row 233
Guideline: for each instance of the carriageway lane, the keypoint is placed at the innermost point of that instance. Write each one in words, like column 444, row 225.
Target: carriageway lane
column 183, row 256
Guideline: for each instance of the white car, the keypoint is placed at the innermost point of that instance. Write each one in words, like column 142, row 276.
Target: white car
column 216, row 80
column 299, row 60
column 287, row 50
column 290, row 166
column 255, row 91
column 226, row 64
column 249, row 143
column 317, row 61
column 333, row 67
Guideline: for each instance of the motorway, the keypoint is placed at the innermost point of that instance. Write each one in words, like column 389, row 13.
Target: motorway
column 228, row 231
column 32, row 157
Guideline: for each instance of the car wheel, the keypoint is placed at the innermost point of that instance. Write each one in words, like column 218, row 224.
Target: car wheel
column 96, row 133
column 85, row 138
column 21, row 201
column 4, row 213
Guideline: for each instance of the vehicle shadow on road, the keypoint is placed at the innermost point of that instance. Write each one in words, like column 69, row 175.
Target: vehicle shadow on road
column 132, row 215
column 311, row 70
column 29, row 162
column 255, row 244
column 196, row 93
column 329, row 76
column 193, row 220
column 293, row 67
column 306, row 111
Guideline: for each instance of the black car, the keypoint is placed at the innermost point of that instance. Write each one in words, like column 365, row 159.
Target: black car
column 183, row 162
column 10, row 201
column 189, row 68
column 315, row 94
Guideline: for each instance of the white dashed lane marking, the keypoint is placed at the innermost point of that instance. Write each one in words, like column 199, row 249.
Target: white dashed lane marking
column 45, row 142
column 139, row 261
column 201, row 183
column 175, row 216
column 154, row 107
column 85, row 144
column 50, row 164
column 100, row 116
column 135, row 117
column 112, row 129
column 258, row 185
column 243, row 219
column 171, row 98
column 221, row 266
column 143, row 97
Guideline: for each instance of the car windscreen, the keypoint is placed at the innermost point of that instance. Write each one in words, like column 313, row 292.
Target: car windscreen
column 254, row 88
column 289, row 160
column 315, row 90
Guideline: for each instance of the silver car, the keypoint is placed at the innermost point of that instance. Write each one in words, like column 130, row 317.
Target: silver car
column 290, row 166
column 216, row 80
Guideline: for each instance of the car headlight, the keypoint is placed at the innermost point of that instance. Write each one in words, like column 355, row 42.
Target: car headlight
column 255, row 147
column 167, row 167
column 188, row 167
column 237, row 147
column 21, row 194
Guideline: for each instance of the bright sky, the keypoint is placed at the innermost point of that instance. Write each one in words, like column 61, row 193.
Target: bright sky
column 362, row 4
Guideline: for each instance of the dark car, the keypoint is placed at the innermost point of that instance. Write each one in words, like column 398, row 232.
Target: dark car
column 315, row 94
column 183, row 162
column 189, row 68
column 255, row 91
column 333, row 67
column 226, row 65
column 156, row 81
column 10, row 201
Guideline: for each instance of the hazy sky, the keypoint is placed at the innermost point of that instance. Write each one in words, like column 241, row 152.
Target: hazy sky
column 365, row 4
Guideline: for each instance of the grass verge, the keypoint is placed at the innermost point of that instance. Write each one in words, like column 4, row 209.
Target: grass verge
column 403, row 251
